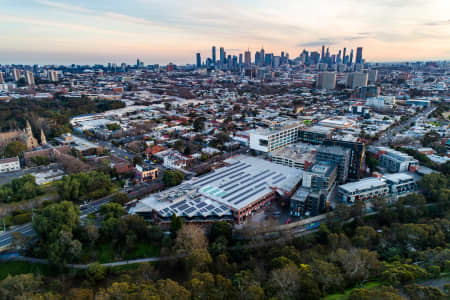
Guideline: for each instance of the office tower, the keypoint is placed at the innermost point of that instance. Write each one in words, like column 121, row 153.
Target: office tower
column 262, row 61
column 229, row 62
column 170, row 67
column 322, row 57
column 373, row 75
column 16, row 74
column 247, row 58
column 345, row 59
column 276, row 61
column 29, row 77
column 240, row 59
column 343, row 55
column 327, row 54
column 268, row 59
column 1, row 78
column 359, row 55
column 315, row 57
column 338, row 57
column 52, row 75
column 138, row 63
column 323, row 66
column 351, row 56
column 213, row 57
column 327, row 80
column 257, row 58
column 123, row 66
column 234, row 63
column 333, row 58
column 221, row 56
column 198, row 60
column 356, row 80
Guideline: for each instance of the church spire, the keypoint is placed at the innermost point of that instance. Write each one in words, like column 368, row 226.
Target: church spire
column 43, row 138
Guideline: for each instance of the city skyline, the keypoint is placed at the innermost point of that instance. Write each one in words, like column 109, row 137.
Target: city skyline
column 82, row 32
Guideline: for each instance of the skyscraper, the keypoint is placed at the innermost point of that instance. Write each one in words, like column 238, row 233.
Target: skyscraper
column 262, row 61
column 247, row 58
column 16, row 74
column 1, row 78
column 213, row 57
column 222, row 57
column 29, row 77
column 322, row 57
column 359, row 55
column 351, row 56
column 343, row 55
column 52, row 75
column 199, row 60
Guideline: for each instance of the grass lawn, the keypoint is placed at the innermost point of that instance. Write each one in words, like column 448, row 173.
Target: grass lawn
column 106, row 253
column 344, row 296
column 144, row 250
column 21, row 267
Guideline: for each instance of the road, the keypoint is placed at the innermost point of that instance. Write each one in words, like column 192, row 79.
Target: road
column 390, row 133
column 6, row 238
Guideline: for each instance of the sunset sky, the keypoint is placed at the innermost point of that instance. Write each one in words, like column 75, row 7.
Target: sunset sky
column 100, row 31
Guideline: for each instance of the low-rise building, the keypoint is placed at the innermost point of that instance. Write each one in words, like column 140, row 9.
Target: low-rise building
column 9, row 164
column 146, row 173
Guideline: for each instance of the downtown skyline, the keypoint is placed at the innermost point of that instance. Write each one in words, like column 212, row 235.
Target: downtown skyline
column 83, row 32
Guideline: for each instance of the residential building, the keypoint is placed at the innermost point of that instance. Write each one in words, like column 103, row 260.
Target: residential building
column 338, row 156
column 327, row 80
column 366, row 189
column 9, row 164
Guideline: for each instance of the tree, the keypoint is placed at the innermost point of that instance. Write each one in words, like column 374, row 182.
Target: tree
column 175, row 225
column 14, row 148
column 247, row 286
column 171, row 290
column 137, row 160
column 112, row 210
column 19, row 286
column 172, row 178
column 327, row 275
column 95, row 272
column 219, row 229
column 418, row 292
column 52, row 219
column 191, row 241
column 199, row 124
column 285, row 281
column 383, row 293
column 430, row 137
column 64, row 249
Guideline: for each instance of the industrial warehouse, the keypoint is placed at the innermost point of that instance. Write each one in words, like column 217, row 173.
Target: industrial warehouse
column 235, row 191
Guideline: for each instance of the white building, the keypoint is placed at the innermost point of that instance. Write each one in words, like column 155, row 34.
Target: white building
column 274, row 137
column 9, row 164
column 380, row 101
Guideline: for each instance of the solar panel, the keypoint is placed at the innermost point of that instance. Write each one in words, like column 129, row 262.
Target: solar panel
column 279, row 180
column 241, row 194
column 277, row 176
column 219, row 173
column 231, row 187
column 251, row 195
column 236, row 175
column 233, row 181
column 178, row 204
column 262, row 178
column 183, row 207
column 202, row 204
column 188, row 211
column 210, row 207
column 222, row 175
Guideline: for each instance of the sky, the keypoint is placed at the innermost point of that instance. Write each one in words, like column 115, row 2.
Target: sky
column 163, row 31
